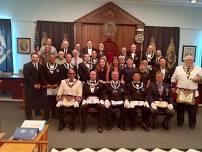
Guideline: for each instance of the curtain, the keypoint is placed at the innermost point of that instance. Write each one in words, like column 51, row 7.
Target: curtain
column 6, row 59
column 166, row 39
column 57, row 31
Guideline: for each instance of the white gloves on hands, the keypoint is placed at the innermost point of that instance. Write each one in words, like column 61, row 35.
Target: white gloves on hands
column 127, row 104
column 84, row 102
column 107, row 103
column 76, row 104
column 170, row 106
column 59, row 104
column 102, row 102
column 146, row 104
column 153, row 105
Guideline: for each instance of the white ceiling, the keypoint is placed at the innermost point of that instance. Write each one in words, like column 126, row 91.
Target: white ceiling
column 165, row 2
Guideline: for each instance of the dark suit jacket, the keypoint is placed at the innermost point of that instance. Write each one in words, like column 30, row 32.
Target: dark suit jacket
column 97, row 92
column 83, row 72
column 32, row 76
column 85, row 50
column 154, row 93
column 52, row 78
column 136, row 59
column 167, row 77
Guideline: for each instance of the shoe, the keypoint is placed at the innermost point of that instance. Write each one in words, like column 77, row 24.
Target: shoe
column 83, row 129
column 165, row 126
column 123, row 128
column 29, row 117
column 180, row 124
column 100, row 130
column 71, row 127
column 145, row 127
column 192, row 126
column 61, row 126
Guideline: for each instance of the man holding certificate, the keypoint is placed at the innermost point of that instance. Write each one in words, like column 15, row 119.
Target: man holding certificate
column 69, row 96
column 161, row 100
column 92, row 98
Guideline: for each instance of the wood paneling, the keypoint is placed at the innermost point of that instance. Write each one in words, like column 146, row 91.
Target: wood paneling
column 125, row 36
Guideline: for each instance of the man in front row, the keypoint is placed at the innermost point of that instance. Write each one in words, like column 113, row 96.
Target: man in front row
column 69, row 95
column 92, row 98
column 161, row 100
column 137, row 98
column 114, row 98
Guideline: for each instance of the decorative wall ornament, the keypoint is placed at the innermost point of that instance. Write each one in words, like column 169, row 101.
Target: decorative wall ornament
column 171, row 54
column 109, row 29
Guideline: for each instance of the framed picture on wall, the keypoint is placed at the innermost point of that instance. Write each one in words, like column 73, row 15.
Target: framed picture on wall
column 188, row 50
column 24, row 45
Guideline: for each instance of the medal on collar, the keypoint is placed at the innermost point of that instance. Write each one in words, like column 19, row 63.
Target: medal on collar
column 138, row 86
column 51, row 69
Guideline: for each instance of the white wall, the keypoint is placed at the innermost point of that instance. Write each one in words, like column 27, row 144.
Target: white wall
column 25, row 12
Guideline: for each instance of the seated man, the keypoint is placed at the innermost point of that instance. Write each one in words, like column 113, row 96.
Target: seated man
column 161, row 100
column 92, row 94
column 136, row 98
column 69, row 95
column 114, row 97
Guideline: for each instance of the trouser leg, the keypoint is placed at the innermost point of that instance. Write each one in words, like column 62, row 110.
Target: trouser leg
column 180, row 113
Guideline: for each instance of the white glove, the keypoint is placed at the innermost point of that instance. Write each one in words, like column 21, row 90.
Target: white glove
column 107, row 103
column 59, row 104
column 170, row 106
column 102, row 102
column 84, row 102
column 146, row 104
column 76, row 104
column 153, row 105
column 127, row 104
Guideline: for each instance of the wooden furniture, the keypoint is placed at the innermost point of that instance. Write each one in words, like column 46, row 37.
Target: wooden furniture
column 91, row 27
column 40, row 144
column 13, row 84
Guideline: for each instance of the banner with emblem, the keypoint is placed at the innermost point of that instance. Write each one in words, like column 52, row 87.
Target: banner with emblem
column 6, row 59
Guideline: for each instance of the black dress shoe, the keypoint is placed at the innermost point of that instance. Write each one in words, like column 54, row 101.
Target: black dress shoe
column 29, row 117
column 123, row 128
column 61, row 126
column 165, row 126
column 180, row 124
column 100, row 130
column 83, row 129
column 71, row 127
column 145, row 127
column 191, row 126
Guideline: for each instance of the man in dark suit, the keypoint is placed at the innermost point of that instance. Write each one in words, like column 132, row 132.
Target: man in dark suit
column 92, row 98
column 101, row 51
column 65, row 47
column 33, row 78
column 88, row 49
column 135, row 56
column 84, row 68
column 161, row 100
column 137, row 96
column 67, row 65
column 114, row 98
column 52, row 76
column 164, row 69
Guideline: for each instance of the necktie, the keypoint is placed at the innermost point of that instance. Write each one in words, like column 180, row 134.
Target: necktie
column 36, row 67
column 160, row 89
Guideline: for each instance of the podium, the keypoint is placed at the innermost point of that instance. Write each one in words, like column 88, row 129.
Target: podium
column 40, row 144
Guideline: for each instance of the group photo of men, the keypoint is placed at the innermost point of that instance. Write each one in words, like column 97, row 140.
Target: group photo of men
column 130, row 87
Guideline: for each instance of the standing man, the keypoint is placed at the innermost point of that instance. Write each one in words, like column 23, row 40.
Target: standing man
column 52, row 76
column 133, row 54
column 186, row 77
column 92, row 98
column 33, row 75
column 84, row 68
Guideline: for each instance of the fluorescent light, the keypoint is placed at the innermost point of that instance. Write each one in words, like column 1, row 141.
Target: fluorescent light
column 193, row 1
